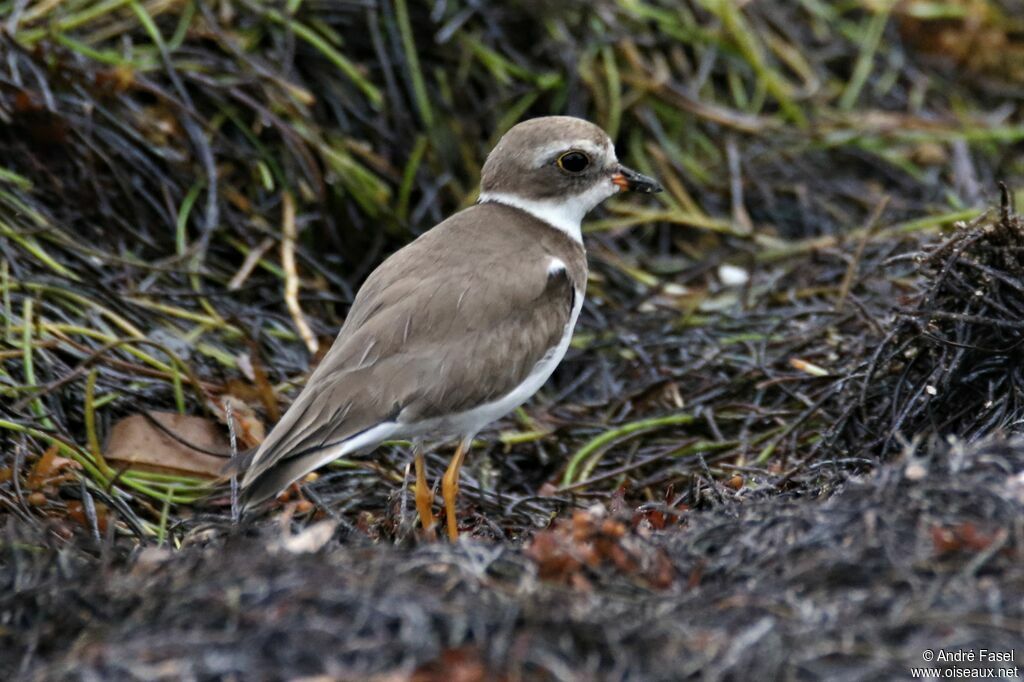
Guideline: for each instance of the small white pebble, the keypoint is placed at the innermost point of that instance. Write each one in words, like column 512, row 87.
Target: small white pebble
column 931, row 390
column 1015, row 485
column 732, row 275
column 673, row 289
column 915, row 472
column 308, row 540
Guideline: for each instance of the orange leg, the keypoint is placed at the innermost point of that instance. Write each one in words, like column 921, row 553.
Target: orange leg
column 424, row 495
column 450, row 487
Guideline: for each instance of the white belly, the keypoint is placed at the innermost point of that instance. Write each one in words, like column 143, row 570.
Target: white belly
column 470, row 422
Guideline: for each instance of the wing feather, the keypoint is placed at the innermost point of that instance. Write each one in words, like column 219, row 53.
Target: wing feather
column 436, row 328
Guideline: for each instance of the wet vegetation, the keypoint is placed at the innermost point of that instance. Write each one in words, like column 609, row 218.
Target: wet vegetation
column 781, row 441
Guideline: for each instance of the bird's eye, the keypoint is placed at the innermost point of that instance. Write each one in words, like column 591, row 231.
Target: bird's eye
column 573, row 162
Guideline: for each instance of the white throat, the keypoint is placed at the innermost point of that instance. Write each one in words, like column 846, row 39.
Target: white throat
column 565, row 214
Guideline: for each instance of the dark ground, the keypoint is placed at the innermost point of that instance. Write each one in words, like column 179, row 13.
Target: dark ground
column 922, row 554
column 781, row 446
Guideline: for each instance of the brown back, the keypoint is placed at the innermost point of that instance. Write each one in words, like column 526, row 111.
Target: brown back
column 457, row 318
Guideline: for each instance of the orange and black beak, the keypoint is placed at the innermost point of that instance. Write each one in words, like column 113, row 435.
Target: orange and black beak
column 631, row 181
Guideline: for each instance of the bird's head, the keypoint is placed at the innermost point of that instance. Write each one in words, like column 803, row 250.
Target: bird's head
column 560, row 166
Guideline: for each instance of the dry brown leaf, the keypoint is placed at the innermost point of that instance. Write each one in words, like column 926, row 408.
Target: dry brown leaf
column 249, row 428
column 962, row 537
column 76, row 512
column 266, row 390
column 454, row 665
column 140, row 443
column 591, row 540
column 50, row 469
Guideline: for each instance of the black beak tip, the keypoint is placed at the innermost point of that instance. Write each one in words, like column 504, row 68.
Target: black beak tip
column 631, row 181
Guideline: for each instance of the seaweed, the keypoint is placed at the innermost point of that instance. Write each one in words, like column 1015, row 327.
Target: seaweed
column 191, row 192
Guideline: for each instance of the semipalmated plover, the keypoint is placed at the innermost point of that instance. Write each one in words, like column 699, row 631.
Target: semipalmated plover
column 464, row 324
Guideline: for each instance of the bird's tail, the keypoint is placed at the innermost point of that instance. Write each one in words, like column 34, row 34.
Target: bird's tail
column 263, row 481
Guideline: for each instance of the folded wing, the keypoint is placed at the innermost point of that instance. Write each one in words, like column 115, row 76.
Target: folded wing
column 434, row 330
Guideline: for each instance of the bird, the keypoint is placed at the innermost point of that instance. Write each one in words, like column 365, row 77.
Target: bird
column 463, row 324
